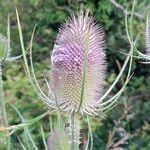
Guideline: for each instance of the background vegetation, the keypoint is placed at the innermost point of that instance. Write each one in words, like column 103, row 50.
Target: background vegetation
column 128, row 125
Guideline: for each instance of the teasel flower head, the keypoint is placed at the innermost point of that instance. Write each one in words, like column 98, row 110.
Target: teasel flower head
column 78, row 65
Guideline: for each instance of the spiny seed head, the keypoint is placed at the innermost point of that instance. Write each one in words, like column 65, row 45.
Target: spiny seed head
column 78, row 64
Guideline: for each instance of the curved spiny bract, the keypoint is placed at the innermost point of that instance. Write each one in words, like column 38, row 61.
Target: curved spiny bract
column 79, row 52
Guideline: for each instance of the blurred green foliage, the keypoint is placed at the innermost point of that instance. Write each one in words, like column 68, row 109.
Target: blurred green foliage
column 48, row 15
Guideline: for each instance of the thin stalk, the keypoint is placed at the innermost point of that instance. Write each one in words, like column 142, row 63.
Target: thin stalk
column 43, row 137
column 90, row 133
column 21, row 143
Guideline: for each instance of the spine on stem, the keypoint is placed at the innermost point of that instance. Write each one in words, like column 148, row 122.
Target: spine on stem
column 3, row 114
column 74, row 131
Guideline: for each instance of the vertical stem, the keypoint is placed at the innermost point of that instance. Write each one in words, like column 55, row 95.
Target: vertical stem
column 3, row 115
column 75, row 131
column 3, row 120
column 72, row 131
